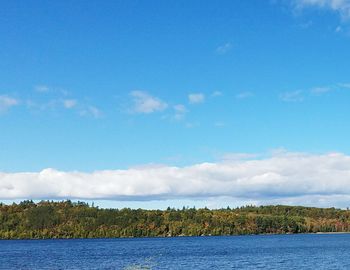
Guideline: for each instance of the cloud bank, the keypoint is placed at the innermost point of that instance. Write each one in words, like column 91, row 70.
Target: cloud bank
column 286, row 177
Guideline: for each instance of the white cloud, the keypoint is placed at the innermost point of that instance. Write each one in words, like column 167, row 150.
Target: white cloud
column 194, row 98
column 340, row 6
column 294, row 96
column 283, row 177
column 69, row 103
column 145, row 103
column 225, row 48
column 7, row 102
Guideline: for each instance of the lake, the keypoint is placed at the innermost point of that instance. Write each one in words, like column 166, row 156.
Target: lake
column 303, row 251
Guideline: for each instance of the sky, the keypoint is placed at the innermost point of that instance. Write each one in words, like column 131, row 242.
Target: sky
column 175, row 103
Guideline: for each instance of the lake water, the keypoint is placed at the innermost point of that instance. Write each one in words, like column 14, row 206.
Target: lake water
column 326, row 251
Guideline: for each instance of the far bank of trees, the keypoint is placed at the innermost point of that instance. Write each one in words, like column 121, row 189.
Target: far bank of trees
column 47, row 219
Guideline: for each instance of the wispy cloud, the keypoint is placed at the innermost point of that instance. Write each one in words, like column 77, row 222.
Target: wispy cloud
column 243, row 95
column 81, row 108
column 344, row 85
column 58, row 98
column 306, row 25
column 216, row 94
column 219, row 124
column 192, row 124
column 223, row 49
column 300, row 95
column 145, row 103
column 180, row 111
column 284, row 176
column 91, row 111
column 338, row 29
column 239, row 156
column 320, row 90
column 293, row 96
column 69, row 103
column 6, row 102
column 52, row 90
column 42, row 88
column 195, row 98
column 342, row 7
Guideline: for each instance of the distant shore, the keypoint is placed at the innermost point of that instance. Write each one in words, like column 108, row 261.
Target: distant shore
column 178, row 236
column 77, row 220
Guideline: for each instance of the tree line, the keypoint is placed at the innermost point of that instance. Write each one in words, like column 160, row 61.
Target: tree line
column 67, row 219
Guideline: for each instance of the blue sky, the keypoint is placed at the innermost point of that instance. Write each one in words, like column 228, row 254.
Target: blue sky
column 113, row 85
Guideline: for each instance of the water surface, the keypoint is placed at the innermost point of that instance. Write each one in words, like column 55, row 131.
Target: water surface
column 326, row 251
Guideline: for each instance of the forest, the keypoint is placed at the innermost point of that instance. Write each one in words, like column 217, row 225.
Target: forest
column 67, row 219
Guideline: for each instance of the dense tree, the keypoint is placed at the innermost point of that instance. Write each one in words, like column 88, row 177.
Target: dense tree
column 66, row 219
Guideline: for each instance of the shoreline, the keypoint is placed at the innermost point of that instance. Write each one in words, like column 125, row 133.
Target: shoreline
column 178, row 236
